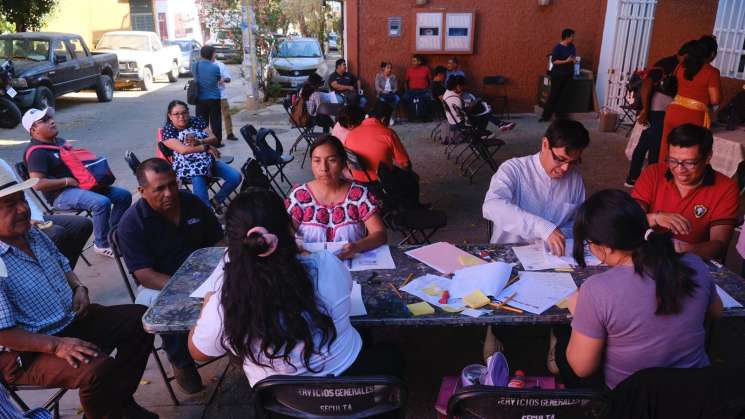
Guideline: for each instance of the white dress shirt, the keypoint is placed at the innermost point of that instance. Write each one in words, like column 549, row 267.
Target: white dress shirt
column 225, row 75
column 526, row 205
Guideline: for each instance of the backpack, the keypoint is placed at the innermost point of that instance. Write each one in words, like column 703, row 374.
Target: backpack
column 91, row 172
column 299, row 113
column 253, row 175
column 192, row 87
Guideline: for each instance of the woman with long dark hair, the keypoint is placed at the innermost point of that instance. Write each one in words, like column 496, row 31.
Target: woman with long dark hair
column 279, row 311
column 648, row 310
column 699, row 89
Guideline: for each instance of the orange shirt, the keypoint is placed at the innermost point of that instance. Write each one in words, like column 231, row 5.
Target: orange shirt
column 713, row 203
column 698, row 88
column 375, row 143
column 418, row 77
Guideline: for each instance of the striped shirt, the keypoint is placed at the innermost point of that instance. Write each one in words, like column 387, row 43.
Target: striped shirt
column 34, row 292
column 9, row 411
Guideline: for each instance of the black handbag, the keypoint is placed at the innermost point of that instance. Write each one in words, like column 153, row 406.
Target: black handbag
column 192, row 87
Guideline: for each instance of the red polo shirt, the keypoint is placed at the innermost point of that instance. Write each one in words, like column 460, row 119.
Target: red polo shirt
column 375, row 143
column 418, row 77
column 713, row 203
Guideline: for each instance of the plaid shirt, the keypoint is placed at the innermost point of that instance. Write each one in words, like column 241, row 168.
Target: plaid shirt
column 35, row 295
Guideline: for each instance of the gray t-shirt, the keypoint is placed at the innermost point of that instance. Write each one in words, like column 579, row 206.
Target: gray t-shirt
column 619, row 306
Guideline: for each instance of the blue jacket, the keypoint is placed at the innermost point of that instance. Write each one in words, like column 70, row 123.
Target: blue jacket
column 207, row 75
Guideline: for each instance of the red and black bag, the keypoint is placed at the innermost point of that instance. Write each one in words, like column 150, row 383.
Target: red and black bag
column 91, row 172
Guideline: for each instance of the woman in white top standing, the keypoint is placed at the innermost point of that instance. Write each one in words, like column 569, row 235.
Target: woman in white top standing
column 265, row 312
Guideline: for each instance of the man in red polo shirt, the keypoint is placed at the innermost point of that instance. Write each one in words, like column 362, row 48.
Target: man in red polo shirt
column 687, row 197
column 417, row 94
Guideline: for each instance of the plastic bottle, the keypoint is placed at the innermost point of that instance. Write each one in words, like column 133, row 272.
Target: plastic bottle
column 577, row 61
column 518, row 381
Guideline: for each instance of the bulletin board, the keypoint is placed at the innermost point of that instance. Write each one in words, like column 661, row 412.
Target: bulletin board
column 459, row 32
column 444, row 32
column 429, row 31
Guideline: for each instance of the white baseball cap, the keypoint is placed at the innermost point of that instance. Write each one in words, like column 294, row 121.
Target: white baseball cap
column 32, row 115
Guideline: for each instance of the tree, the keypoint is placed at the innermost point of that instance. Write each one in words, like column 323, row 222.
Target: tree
column 270, row 16
column 307, row 15
column 27, row 15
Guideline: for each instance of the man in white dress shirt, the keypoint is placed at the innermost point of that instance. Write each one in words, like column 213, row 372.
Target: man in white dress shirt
column 227, row 119
column 535, row 197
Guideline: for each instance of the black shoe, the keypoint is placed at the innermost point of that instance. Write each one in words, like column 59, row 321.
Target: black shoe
column 219, row 145
column 232, row 137
column 188, row 379
column 132, row 410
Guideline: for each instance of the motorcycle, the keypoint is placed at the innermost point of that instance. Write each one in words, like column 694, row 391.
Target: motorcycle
column 10, row 114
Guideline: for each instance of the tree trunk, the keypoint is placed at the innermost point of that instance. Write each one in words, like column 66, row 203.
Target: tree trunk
column 20, row 24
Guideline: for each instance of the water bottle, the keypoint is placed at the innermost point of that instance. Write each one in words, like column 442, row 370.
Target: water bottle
column 577, row 61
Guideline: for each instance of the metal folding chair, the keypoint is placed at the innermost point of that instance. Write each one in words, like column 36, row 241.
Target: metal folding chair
column 479, row 150
column 304, row 133
column 271, row 160
column 132, row 161
column 51, row 404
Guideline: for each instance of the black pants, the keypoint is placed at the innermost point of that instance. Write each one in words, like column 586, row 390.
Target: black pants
column 210, row 111
column 69, row 233
column 559, row 86
column 648, row 142
column 378, row 359
column 570, row 379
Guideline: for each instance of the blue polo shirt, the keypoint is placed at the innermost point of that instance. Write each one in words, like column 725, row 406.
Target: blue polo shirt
column 149, row 240
column 561, row 52
column 207, row 75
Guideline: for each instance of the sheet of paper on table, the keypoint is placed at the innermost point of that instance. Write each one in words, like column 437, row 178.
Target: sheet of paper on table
column 490, row 278
column 378, row 258
column 537, row 257
column 727, row 300
column 358, row 305
column 213, row 282
column 430, row 288
column 590, row 259
column 444, row 257
column 536, row 292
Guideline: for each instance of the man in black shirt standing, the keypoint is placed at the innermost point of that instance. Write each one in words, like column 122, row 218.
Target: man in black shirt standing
column 346, row 86
column 156, row 235
column 562, row 57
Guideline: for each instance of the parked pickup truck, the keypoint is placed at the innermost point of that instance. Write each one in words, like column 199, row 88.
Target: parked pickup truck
column 46, row 65
column 141, row 57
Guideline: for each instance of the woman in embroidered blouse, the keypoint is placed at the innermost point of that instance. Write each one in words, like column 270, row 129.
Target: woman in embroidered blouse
column 195, row 156
column 333, row 209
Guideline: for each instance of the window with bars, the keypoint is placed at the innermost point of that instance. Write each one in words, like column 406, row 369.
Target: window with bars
column 729, row 28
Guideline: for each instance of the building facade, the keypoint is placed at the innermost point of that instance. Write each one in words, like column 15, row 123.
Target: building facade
column 89, row 18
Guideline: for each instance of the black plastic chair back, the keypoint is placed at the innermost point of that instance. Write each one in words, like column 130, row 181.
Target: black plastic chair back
column 131, row 284
column 132, row 161
column 332, row 397
column 509, row 403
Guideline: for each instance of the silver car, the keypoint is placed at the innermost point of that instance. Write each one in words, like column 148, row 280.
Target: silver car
column 294, row 59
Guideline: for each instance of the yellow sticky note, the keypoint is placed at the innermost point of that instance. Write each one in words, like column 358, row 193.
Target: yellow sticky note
column 451, row 309
column 433, row 290
column 420, row 309
column 563, row 270
column 476, row 299
column 469, row 260
column 563, row 303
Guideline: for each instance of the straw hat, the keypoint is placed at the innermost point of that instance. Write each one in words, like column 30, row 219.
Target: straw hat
column 9, row 184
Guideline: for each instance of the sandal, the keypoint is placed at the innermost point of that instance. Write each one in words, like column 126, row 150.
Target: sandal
column 103, row 251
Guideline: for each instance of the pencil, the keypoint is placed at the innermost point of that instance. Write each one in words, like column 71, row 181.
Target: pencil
column 407, row 280
column 393, row 287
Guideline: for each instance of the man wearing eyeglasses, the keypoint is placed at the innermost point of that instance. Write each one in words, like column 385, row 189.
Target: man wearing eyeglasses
column 687, row 197
column 535, row 197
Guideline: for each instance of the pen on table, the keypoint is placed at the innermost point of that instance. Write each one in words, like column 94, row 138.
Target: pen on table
column 506, row 308
column 407, row 280
column 393, row 287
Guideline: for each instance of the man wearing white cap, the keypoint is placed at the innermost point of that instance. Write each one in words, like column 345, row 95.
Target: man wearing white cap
column 59, row 186
column 51, row 334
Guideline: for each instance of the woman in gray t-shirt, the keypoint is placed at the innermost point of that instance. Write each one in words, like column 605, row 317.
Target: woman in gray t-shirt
column 648, row 310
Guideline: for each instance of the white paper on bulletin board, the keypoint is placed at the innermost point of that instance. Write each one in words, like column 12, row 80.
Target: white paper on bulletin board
column 428, row 31
column 458, row 31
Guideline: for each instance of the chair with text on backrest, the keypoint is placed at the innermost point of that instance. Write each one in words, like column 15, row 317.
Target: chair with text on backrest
column 479, row 401
column 305, row 133
column 48, row 209
column 282, row 396
column 51, row 404
column 271, row 160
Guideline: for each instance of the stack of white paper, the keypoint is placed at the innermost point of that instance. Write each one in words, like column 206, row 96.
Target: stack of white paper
column 358, row 305
column 490, row 278
column 536, row 292
column 537, row 257
column 378, row 258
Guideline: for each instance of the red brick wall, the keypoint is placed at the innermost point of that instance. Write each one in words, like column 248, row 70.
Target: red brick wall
column 512, row 39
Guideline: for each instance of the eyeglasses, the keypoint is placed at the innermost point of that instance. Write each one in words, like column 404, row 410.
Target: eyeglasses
column 183, row 114
column 44, row 120
column 686, row 164
column 562, row 161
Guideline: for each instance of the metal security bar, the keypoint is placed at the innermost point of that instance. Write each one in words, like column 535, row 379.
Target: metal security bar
column 729, row 28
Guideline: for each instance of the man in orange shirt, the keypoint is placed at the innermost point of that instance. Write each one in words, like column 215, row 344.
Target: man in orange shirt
column 375, row 143
column 417, row 94
column 686, row 196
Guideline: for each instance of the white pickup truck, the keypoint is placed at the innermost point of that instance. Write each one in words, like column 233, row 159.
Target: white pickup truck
column 142, row 57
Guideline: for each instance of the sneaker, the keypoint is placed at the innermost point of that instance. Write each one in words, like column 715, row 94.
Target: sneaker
column 553, row 368
column 505, row 126
column 103, row 251
column 132, row 410
column 188, row 379
column 492, row 345
column 232, row 137
column 629, row 183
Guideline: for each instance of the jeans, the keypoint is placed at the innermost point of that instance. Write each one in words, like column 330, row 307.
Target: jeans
column 222, row 170
column 391, row 98
column 99, row 203
column 210, row 111
column 423, row 97
column 351, row 98
column 69, row 233
column 648, row 142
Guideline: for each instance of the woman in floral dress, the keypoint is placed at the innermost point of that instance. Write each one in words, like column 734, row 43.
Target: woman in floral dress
column 333, row 209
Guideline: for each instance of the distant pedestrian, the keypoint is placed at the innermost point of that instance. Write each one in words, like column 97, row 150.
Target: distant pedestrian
column 208, row 77
column 227, row 119
column 562, row 57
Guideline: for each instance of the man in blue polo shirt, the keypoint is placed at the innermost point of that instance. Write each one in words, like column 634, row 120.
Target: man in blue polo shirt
column 156, row 235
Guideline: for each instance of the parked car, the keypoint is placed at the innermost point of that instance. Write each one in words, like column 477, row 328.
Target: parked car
column 189, row 52
column 332, row 42
column 228, row 48
column 294, row 59
column 46, row 65
column 142, row 57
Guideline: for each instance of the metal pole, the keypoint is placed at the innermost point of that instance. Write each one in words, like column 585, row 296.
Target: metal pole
column 249, row 53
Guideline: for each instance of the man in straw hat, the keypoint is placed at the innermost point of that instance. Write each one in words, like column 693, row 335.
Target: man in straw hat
column 51, row 334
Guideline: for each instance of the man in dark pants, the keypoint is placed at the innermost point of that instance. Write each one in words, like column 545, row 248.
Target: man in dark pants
column 562, row 57
column 156, row 235
column 208, row 77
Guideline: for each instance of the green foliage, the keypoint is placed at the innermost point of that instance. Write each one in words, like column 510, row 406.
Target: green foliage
column 26, row 15
column 270, row 16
